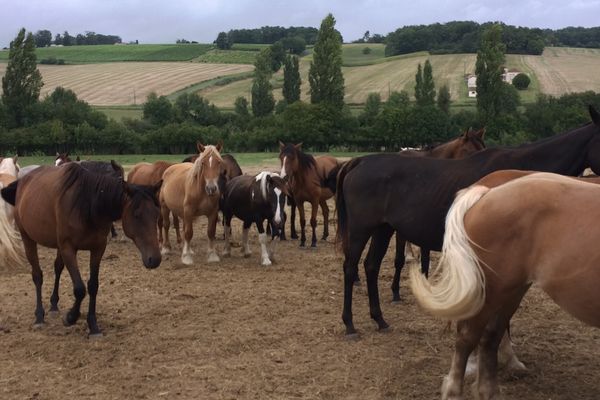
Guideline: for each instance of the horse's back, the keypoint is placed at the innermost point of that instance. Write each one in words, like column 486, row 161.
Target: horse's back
column 172, row 192
column 231, row 165
column 148, row 174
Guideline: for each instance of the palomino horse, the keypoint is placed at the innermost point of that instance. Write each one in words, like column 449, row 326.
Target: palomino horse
column 306, row 176
column 71, row 209
column 9, row 172
column 383, row 193
column 150, row 174
column 190, row 190
column 485, row 270
column 254, row 199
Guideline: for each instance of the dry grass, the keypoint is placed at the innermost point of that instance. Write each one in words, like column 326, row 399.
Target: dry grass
column 115, row 83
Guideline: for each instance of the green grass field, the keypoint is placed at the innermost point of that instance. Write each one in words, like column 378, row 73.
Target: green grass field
column 228, row 57
column 120, row 112
column 249, row 46
column 111, row 53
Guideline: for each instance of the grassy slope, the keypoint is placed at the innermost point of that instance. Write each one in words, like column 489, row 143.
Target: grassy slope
column 110, row 53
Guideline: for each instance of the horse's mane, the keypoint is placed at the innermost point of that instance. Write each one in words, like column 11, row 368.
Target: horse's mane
column 262, row 178
column 209, row 150
column 94, row 195
column 306, row 161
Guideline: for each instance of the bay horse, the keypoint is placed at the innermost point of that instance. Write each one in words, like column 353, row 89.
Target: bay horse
column 150, row 174
column 190, row 190
column 70, row 209
column 382, row 193
column 500, row 241
column 254, row 199
column 306, row 178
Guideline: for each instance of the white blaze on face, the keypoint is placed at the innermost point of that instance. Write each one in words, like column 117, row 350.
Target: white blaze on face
column 210, row 161
column 283, row 174
column 57, row 162
column 278, row 211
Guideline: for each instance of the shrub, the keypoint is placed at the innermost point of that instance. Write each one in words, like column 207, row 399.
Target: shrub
column 521, row 81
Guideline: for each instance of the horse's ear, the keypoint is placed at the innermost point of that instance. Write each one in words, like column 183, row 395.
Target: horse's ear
column 281, row 145
column 298, row 146
column 199, row 147
column 116, row 166
column 594, row 114
column 57, row 154
column 481, row 133
column 77, row 159
column 219, row 145
column 127, row 187
column 15, row 158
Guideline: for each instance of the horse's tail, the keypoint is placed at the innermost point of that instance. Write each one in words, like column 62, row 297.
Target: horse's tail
column 340, row 204
column 11, row 245
column 458, row 290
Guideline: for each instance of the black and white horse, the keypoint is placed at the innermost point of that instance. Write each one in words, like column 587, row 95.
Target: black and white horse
column 254, row 199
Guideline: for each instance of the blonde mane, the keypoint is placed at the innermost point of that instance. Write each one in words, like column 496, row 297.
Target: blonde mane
column 209, row 151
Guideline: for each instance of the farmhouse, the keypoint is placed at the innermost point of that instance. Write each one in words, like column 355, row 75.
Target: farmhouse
column 507, row 76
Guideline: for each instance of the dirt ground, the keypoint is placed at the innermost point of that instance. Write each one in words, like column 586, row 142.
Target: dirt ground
column 236, row 330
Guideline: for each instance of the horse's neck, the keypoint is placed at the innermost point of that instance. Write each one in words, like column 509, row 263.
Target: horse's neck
column 9, row 169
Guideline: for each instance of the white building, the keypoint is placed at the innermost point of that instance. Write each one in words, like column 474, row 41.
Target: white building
column 507, row 76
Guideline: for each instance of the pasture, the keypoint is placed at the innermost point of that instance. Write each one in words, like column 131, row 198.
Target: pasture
column 238, row 330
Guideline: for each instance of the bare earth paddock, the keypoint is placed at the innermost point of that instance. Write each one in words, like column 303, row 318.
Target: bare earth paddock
column 236, row 330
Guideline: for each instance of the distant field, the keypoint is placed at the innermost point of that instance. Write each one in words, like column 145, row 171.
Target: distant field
column 352, row 54
column 117, row 83
column 249, row 46
column 120, row 112
column 228, row 57
column 112, row 53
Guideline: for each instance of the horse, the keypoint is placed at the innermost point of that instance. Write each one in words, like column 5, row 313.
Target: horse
column 500, row 241
column 231, row 168
column 306, row 175
column 254, row 199
column 9, row 172
column 150, row 174
column 382, row 193
column 190, row 190
column 70, row 209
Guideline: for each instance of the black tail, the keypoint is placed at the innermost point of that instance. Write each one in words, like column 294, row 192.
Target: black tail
column 9, row 193
column 331, row 178
column 340, row 203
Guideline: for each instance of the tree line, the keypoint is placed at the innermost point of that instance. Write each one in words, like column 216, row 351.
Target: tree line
column 43, row 38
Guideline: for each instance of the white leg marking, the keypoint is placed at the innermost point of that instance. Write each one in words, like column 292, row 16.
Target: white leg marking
column 278, row 211
column 245, row 245
column 212, row 252
column 262, row 238
column 186, row 254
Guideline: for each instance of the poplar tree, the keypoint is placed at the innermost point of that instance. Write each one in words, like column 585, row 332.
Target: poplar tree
column 488, row 68
column 263, row 102
column 291, row 80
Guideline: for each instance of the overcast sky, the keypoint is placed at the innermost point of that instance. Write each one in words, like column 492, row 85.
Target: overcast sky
column 163, row 21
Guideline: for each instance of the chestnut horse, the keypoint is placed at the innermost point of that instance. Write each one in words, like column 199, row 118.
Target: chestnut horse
column 190, row 190
column 306, row 177
column 485, row 270
column 380, row 194
column 70, row 209
column 150, row 174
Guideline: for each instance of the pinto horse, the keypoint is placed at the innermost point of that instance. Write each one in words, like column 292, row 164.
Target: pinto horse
column 190, row 190
column 150, row 174
column 500, row 241
column 306, row 177
column 383, row 193
column 70, row 209
column 254, row 199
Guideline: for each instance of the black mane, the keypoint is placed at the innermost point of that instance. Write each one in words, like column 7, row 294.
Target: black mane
column 306, row 161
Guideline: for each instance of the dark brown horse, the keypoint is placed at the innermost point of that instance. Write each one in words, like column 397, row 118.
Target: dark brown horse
column 72, row 209
column 254, row 199
column 500, row 241
column 150, row 174
column 383, row 193
column 306, row 178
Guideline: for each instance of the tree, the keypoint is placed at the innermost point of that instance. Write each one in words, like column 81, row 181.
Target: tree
column 325, row 74
column 419, row 84
column 22, row 81
column 262, row 91
column 58, row 40
column 43, row 38
column 277, row 56
column 158, row 110
column 488, row 68
column 372, row 108
column 68, row 40
column 443, row 99
column 294, row 44
column 521, row 81
column 291, row 80
column 428, row 88
column 222, row 41
column 241, row 107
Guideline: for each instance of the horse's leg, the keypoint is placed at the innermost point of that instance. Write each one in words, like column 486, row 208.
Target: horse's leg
column 188, row 233
column 292, row 203
column 59, row 265
column 113, row 231
column 176, row 226
column 302, row 218
column 425, row 253
column 487, row 377
column 379, row 245
column 356, row 244
column 245, row 245
column 160, row 228
column 282, row 231
column 227, row 233
column 211, row 231
column 37, row 276
column 95, row 258
column 399, row 261
column 69, row 256
column 166, row 244
column 263, row 240
column 325, row 210
column 314, row 210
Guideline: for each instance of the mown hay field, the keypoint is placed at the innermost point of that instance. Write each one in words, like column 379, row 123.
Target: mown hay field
column 129, row 83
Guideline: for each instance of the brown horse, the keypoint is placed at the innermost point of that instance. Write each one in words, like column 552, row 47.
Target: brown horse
column 500, row 241
column 70, row 209
column 150, row 174
column 306, row 177
column 190, row 190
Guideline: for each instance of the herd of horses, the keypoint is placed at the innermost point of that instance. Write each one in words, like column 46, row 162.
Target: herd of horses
column 503, row 218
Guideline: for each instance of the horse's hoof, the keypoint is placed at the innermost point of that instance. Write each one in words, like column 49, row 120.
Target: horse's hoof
column 37, row 326
column 396, row 302
column 213, row 258
column 384, row 329
column 226, row 255
column 53, row 313
column 302, row 244
column 313, row 245
column 165, row 250
column 95, row 335
column 187, row 259
column 352, row 336
column 266, row 263
column 70, row 319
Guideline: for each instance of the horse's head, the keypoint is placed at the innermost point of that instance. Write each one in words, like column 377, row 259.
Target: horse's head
column 209, row 164
column 593, row 152
column 9, row 166
column 61, row 158
column 471, row 142
column 139, row 217
column 274, row 190
column 289, row 157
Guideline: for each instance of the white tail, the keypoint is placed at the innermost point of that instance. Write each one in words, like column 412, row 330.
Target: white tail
column 458, row 288
column 11, row 245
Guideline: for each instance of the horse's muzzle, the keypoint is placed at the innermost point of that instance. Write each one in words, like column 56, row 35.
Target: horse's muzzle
column 152, row 261
column 211, row 189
